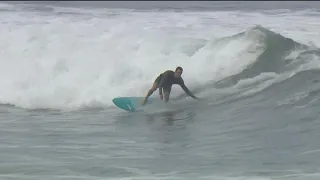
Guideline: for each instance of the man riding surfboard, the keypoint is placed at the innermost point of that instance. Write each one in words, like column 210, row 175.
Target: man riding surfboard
column 165, row 81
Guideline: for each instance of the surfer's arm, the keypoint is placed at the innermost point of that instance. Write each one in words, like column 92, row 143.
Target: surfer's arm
column 184, row 87
column 162, row 81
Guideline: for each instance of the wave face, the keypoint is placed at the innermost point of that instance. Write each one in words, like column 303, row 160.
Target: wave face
column 66, row 59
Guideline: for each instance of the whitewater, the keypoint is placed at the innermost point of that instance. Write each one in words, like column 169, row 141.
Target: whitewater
column 254, row 66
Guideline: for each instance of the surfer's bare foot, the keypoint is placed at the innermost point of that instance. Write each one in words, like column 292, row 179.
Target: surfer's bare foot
column 144, row 101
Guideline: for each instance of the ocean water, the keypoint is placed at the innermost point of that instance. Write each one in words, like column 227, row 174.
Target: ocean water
column 255, row 66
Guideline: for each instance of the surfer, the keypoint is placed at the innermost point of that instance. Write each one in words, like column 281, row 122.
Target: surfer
column 165, row 81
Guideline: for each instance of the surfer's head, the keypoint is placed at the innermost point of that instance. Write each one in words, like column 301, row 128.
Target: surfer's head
column 178, row 72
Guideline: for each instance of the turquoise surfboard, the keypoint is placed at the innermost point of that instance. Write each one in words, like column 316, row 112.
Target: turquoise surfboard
column 130, row 104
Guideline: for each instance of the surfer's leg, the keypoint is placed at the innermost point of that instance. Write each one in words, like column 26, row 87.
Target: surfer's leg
column 151, row 90
column 166, row 91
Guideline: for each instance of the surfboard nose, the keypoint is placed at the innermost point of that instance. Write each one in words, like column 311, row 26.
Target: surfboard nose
column 124, row 103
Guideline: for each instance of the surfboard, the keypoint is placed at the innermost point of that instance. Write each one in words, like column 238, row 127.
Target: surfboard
column 153, row 105
column 130, row 104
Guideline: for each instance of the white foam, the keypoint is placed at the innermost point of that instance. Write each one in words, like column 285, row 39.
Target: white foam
column 68, row 61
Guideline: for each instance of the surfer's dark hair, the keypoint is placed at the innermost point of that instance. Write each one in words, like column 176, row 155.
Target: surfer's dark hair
column 179, row 68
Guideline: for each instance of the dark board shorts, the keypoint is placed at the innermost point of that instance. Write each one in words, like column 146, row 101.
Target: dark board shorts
column 165, row 88
column 158, row 79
